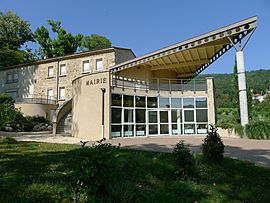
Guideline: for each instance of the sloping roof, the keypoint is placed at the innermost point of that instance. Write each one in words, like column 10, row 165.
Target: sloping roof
column 190, row 57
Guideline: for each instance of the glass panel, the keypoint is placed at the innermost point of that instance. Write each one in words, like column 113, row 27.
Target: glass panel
column 176, row 102
column 176, row 129
column 163, row 115
column 201, row 115
column 201, row 102
column 140, row 101
column 99, row 65
column 85, row 66
column 128, row 115
column 152, row 102
column 189, row 128
column 153, row 129
column 189, row 115
column 152, row 115
column 201, row 128
column 176, row 115
column 164, row 102
column 188, row 102
column 116, row 115
column 116, row 100
column 140, row 116
column 116, row 131
column 164, row 129
column 128, row 130
column 128, row 101
column 140, row 130
column 16, row 76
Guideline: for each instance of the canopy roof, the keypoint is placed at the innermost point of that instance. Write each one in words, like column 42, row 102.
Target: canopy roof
column 190, row 57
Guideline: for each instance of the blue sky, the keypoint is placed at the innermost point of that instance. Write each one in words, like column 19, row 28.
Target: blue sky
column 147, row 25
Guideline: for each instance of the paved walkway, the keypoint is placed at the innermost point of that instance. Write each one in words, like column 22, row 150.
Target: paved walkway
column 257, row 151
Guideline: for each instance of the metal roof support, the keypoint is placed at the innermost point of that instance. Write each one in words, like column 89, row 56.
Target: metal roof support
column 241, row 73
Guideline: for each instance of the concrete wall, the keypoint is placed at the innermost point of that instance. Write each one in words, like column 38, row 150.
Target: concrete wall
column 36, row 109
column 211, row 101
column 87, row 106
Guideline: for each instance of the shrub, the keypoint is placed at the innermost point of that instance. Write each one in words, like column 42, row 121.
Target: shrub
column 213, row 147
column 37, row 119
column 183, row 160
column 10, row 115
column 258, row 130
column 6, row 99
column 97, row 170
column 9, row 140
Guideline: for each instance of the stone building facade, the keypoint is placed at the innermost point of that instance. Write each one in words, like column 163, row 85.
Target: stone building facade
column 46, row 78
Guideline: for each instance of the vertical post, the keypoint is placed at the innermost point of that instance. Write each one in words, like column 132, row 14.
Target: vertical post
column 242, row 88
column 103, row 90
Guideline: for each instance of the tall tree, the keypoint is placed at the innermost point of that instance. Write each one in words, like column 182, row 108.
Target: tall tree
column 14, row 33
column 95, row 42
column 65, row 43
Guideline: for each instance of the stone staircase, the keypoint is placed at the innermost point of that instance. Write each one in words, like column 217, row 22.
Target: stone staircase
column 64, row 125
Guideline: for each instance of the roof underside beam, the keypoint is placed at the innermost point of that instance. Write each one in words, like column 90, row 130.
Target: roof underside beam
column 180, row 65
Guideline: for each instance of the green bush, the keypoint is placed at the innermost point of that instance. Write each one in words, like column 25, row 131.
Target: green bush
column 10, row 115
column 258, row 130
column 183, row 160
column 213, row 147
column 9, row 140
column 97, row 170
column 6, row 99
column 37, row 119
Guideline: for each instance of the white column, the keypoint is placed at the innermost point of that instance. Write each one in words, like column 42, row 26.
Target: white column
column 242, row 88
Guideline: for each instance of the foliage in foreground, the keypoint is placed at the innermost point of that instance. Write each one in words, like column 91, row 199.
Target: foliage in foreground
column 213, row 147
column 183, row 160
column 35, row 172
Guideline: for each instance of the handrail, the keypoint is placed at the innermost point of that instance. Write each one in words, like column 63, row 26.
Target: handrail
column 36, row 99
column 160, row 84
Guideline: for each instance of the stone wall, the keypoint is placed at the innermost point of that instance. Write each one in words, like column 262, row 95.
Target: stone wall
column 122, row 55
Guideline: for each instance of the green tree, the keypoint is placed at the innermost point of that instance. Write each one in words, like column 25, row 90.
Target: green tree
column 95, row 42
column 14, row 33
column 235, row 87
column 65, row 43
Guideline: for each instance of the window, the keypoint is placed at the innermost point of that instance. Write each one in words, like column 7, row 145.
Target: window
column 63, row 70
column 12, row 77
column 50, row 71
column 128, row 101
column 201, row 102
column 152, row 102
column 86, row 67
column 116, row 115
column 99, row 65
column 50, row 94
column 176, row 103
column 164, row 102
column 116, row 100
column 61, row 93
column 188, row 102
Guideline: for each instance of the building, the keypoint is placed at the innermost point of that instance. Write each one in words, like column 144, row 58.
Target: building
column 111, row 93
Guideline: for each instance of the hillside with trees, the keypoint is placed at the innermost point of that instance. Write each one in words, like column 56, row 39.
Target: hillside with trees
column 257, row 82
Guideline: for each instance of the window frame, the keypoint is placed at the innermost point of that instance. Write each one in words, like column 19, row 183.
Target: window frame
column 60, row 70
column 99, row 60
column 59, row 96
column 50, row 75
column 83, row 70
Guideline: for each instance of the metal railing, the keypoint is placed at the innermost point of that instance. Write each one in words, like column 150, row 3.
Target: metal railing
column 159, row 84
column 36, row 99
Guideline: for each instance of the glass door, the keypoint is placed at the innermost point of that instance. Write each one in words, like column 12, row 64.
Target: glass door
column 152, row 122
column 163, row 122
column 176, row 120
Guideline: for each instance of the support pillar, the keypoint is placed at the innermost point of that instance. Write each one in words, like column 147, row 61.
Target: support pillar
column 242, row 87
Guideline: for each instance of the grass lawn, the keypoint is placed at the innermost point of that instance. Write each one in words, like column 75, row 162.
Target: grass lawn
column 39, row 172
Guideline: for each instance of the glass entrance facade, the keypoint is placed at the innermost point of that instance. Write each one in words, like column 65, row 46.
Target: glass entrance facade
column 134, row 116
